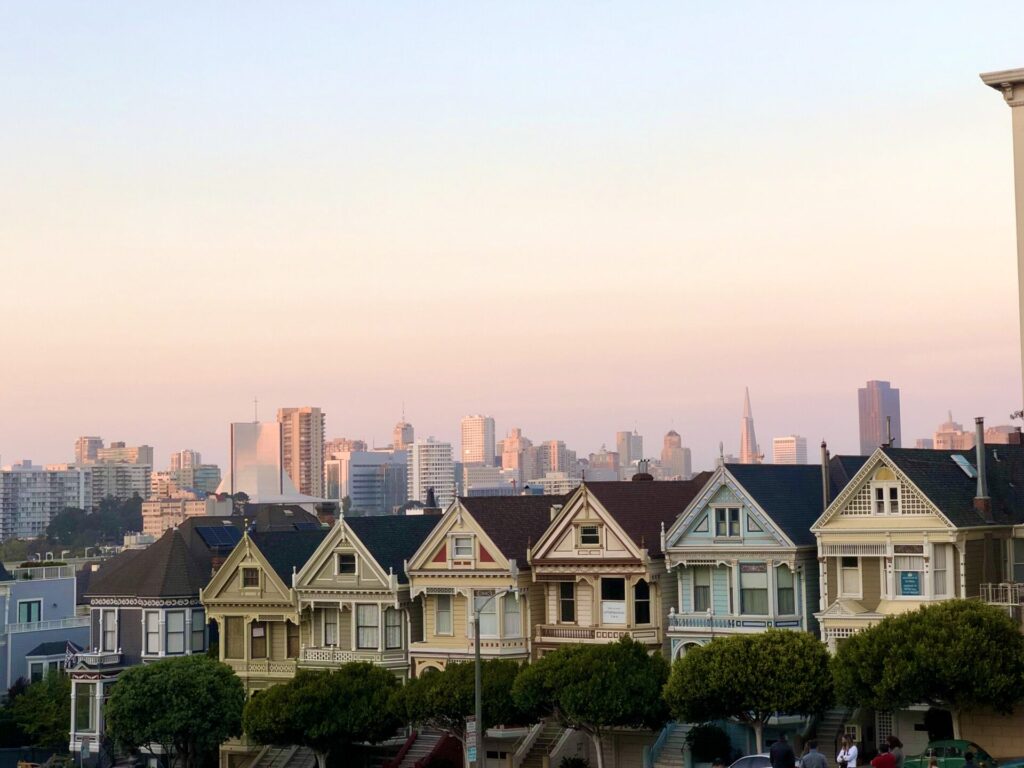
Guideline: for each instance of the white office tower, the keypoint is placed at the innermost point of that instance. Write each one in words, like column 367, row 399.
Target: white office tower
column 431, row 467
column 791, row 449
column 256, row 468
column 302, row 448
column 478, row 440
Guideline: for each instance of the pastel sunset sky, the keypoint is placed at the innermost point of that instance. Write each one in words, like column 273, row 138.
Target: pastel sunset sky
column 575, row 217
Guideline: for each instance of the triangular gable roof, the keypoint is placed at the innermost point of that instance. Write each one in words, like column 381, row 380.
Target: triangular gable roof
column 166, row 568
column 391, row 539
column 642, row 509
column 513, row 523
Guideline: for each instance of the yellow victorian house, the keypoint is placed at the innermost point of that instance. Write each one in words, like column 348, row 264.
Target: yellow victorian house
column 474, row 556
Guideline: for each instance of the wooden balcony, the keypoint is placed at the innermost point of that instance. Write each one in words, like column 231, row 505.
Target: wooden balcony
column 268, row 668
column 326, row 658
column 700, row 623
column 570, row 633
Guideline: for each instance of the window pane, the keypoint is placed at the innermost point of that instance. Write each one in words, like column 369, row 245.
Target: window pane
column 641, row 603
column 513, row 624
column 35, row 672
column 234, row 647
column 590, row 535
column 567, row 601
column 786, row 594
column 488, row 615
column 258, row 630
column 346, row 564
column 367, row 628
column 198, row 631
column 29, row 611
column 175, row 632
column 109, row 619
column 250, row 577
column 443, row 614
column 393, row 628
column 701, row 589
column 613, row 589
column 1018, row 560
column 330, row 626
column 85, row 694
column 463, row 546
column 152, row 632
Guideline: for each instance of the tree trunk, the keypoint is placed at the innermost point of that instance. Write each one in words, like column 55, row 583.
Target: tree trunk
column 321, row 759
column 759, row 735
column 957, row 733
column 596, row 737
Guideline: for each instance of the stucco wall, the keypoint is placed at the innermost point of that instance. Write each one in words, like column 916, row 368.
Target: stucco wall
column 1000, row 735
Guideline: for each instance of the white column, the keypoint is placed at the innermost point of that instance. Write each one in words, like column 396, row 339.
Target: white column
column 1011, row 84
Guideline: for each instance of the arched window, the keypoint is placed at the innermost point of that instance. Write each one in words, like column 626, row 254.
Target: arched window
column 642, row 603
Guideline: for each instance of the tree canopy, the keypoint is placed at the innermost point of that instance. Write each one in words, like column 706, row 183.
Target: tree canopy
column 325, row 711
column 591, row 688
column 959, row 653
column 444, row 699
column 188, row 705
column 751, row 678
column 43, row 712
column 106, row 525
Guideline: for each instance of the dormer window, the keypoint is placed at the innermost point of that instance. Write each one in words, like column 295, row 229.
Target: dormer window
column 346, row 564
column 590, row 536
column 462, row 547
column 887, row 500
column 250, row 578
column 727, row 522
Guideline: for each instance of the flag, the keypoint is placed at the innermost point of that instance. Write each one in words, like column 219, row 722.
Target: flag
column 70, row 651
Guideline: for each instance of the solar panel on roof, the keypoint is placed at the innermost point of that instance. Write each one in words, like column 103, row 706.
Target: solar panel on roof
column 965, row 465
column 225, row 536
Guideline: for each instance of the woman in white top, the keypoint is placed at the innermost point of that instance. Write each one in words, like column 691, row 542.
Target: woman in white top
column 847, row 757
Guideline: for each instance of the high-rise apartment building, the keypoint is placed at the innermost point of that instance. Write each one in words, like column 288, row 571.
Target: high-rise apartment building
column 403, row 435
column 676, row 463
column 119, row 453
column 340, row 444
column 431, row 467
column 31, row 496
column 879, row 409
column 749, row 453
column 302, row 448
column 791, row 449
column 375, row 482
column 478, row 440
column 85, row 449
column 185, row 459
column 120, row 480
column 516, row 455
column 256, row 466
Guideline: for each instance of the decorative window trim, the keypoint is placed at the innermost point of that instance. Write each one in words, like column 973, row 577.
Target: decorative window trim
column 859, row 594
column 704, row 526
column 455, row 538
column 752, row 526
column 27, row 601
column 337, row 564
column 592, row 528
column 726, row 511
column 243, row 570
column 451, row 615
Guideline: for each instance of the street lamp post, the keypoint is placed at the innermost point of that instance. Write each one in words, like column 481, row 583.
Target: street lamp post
column 477, row 685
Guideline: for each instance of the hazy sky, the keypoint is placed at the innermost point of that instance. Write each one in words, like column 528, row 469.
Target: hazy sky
column 577, row 217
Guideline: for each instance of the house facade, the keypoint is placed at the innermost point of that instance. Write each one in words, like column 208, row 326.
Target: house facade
column 743, row 554
column 599, row 567
column 915, row 527
column 475, row 556
column 353, row 594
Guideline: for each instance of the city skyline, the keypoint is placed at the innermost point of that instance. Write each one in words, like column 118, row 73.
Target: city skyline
column 625, row 190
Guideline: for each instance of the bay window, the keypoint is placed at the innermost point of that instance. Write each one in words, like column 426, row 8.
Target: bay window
column 367, row 626
column 566, row 602
column 108, row 628
column 940, row 570
column 175, row 632
column 198, row 631
column 613, row 601
column 641, row 602
column 485, row 603
column 152, row 621
column 849, row 577
column 258, row 639
column 392, row 629
column 443, row 614
column 754, row 588
column 909, row 575
column 85, row 707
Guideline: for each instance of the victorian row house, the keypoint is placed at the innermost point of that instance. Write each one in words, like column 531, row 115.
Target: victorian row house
column 914, row 527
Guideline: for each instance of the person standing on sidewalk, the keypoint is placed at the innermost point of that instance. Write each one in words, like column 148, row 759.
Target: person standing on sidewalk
column 781, row 755
column 813, row 758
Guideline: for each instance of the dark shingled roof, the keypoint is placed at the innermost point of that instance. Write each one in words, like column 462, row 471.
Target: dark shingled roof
column 287, row 551
column 167, row 568
column 392, row 539
column 513, row 522
column 52, row 648
column 950, row 489
column 180, row 562
column 5, row 575
column 791, row 493
column 641, row 508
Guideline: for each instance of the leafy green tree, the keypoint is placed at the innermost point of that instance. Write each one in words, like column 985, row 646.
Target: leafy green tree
column 187, row 705
column 959, row 654
column 592, row 688
column 325, row 711
column 750, row 678
column 444, row 699
column 43, row 712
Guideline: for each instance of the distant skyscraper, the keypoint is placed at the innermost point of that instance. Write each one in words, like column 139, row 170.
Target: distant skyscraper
column 86, row 448
column 256, row 467
column 185, row 459
column 675, row 458
column 636, row 447
column 877, row 401
column 302, row 448
column 119, row 453
column 431, row 468
column 624, row 447
column 791, row 449
column 339, row 444
column 748, row 440
column 403, row 436
column 478, row 440
column 924, row 442
column 516, row 455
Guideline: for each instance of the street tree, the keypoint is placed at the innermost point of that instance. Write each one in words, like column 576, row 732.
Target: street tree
column 591, row 688
column 959, row 654
column 325, row 711
column 443, row 699
column 43, row 712
column 187, row 706
column 750, row 678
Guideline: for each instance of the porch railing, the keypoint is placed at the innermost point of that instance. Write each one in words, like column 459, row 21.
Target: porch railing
column 1005, row 593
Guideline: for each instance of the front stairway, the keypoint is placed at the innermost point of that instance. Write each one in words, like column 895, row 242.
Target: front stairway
column 424, row 744
column 549, row 736
column 829, row 731
column 285, row 757
column 671, row 753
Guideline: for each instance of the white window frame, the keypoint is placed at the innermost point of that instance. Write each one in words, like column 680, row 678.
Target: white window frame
column 506, row 615
column 104, row 613
column 438, row 612
column 860, row 579
column 588, row 544
column 767, row 588
column 392, row 622
column 726, row 512
column 185, row 628
column 490, row 609
column 945, row 570
column 694, row 586
column 146, row 632
column 778, row 588
column 337, row 564
column 896, row 571
column 455, row 547
column 38, row 600
column 241, row 577
column 360, row 625
column 332, row 613
column 886, row 487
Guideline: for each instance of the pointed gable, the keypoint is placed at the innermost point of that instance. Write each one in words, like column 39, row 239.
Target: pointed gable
column 392, row 539
column 513, row 523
